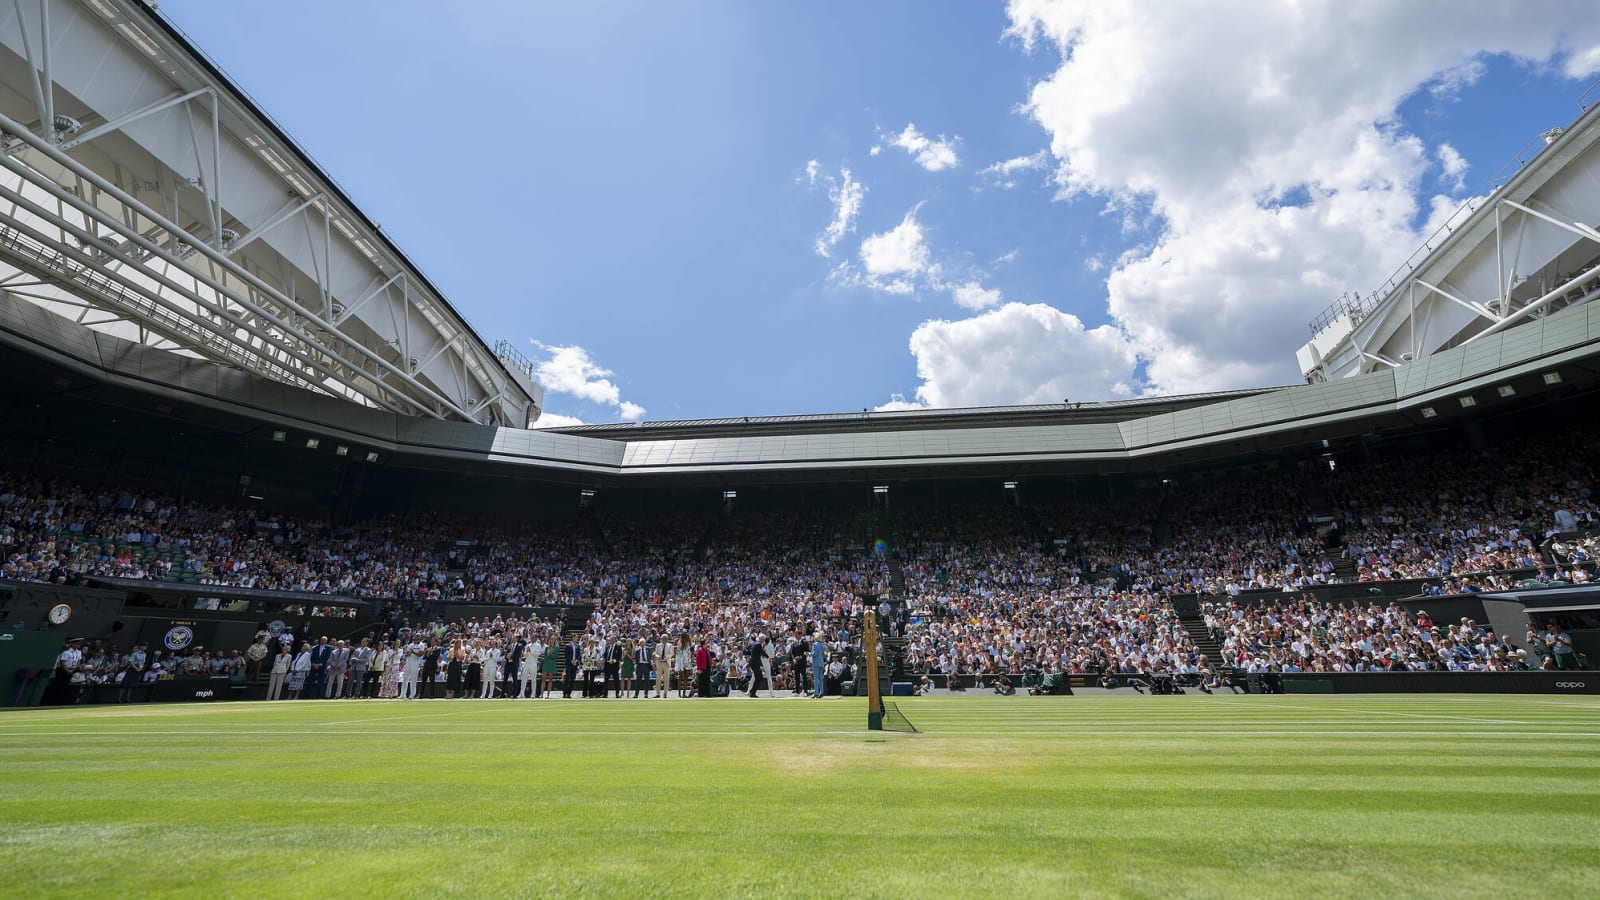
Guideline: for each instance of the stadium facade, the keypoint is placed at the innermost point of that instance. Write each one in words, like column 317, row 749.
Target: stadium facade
column 167, row 248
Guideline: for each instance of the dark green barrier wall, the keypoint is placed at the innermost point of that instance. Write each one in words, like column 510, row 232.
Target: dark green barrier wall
column 1446, row 682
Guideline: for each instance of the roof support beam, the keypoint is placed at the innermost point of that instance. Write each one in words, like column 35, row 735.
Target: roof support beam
column 437, row 353
column 366, row 296
column 1577, row 228
column 124, row 284
column 422, row 389
column 43, row 91
column 129, row 118
column 1560, row 291
column 1476, row 308
column 277, row 218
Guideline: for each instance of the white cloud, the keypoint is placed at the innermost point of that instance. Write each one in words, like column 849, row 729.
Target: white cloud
column 846, row 194
column 557, row 420
column 1449, row 84
column 1455, row 166
column 1003, row 174
column 973, row 295
column 1582, row 63
column 898, row 402
column 898, row 251
column 899, row 261
column 570, row 370
column 933, row 154
column 813, row 169
column 1259, row 144
column 1019, row 353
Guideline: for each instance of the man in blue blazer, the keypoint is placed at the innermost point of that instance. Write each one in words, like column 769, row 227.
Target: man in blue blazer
column 317, row 681
column 573, row 654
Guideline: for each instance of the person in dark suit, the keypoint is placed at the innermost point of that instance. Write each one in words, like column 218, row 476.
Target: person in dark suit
column 756, row 653
column 613, row 669
column 572, row 654
column 430, row 669
column 321, row 656
column 512, row 670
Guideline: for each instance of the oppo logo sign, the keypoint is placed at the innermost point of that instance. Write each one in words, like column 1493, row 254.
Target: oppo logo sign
column 1570, row 684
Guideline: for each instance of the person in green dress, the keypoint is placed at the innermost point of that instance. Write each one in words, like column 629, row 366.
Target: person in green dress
column 547, row 669
column 627, row 669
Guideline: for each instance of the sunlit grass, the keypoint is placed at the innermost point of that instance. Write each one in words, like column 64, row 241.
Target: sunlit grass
column 1224, row 796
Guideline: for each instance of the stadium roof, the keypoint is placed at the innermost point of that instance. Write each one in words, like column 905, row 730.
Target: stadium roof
column 1080, row 413
column 160, row 204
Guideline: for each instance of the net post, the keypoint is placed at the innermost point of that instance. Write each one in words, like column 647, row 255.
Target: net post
column 869, row 670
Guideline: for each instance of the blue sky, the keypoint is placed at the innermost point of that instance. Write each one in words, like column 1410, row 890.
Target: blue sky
column 623, row 188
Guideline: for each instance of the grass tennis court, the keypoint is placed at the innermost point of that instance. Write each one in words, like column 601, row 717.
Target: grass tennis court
column 1199, row 796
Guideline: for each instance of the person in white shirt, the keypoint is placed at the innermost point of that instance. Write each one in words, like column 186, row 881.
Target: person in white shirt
column 280, row 672
column 382, row 659
column 491, row 670
column 299, row 670
column 769, row 649
column 412, row 670
column 529, row 671
column 70, row 658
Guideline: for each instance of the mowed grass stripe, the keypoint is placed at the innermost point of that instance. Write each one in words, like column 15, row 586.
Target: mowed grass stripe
column 1214, row 797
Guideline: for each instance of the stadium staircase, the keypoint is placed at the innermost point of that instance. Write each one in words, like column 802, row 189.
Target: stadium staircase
column 573, row 623
column 893, row 648
column 1036, row 524
column 591, row 527
column 1161, row 527
column 1203, row 641
column 702, row 547
column 1326, row 512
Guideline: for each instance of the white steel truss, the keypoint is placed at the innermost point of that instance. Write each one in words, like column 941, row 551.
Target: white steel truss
column 116, row 213
column 1524, row 247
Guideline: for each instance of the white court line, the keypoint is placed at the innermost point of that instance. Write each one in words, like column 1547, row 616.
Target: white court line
column 861, row 732
column 1350, row 717
column 440, row 732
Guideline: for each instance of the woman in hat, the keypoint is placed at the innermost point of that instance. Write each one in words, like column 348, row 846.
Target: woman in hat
column 299, row 670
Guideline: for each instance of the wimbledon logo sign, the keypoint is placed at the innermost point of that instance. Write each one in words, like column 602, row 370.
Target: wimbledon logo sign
column 178, row 637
